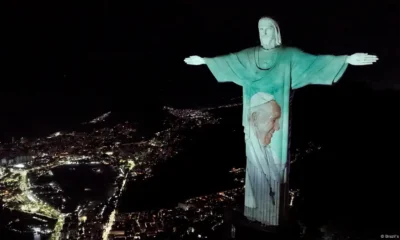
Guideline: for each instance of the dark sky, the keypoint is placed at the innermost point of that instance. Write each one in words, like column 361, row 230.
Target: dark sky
column 70, row 61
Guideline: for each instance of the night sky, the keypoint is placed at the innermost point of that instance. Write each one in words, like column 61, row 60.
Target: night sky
column 69, row 62
column 72, row 61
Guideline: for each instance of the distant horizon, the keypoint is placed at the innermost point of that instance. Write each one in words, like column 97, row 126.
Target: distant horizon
column 17, row 125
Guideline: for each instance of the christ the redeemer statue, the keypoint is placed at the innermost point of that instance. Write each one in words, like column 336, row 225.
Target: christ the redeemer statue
column 267, row 74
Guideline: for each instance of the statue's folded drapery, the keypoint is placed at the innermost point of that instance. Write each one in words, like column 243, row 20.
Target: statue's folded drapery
column 283, row 69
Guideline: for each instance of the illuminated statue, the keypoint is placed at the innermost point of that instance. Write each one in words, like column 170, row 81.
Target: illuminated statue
column 267, row 74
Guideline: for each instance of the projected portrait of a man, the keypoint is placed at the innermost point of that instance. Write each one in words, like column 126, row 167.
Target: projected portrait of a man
column 264, row 117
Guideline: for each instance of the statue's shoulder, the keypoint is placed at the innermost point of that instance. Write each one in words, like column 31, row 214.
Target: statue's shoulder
column 245, row 54
column 290, row 49
column 247, row 50
column 290, row 52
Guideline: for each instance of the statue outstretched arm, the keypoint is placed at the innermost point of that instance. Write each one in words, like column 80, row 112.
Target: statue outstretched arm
column 323, row 69
column 225, row 68
column 309, row 69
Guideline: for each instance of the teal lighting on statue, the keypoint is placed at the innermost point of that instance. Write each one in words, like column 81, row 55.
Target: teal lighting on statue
column 267, row 74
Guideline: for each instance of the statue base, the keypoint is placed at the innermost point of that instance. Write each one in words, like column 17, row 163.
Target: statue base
column 237, row 226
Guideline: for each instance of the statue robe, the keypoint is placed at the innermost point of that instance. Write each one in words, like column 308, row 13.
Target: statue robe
column 275, row 72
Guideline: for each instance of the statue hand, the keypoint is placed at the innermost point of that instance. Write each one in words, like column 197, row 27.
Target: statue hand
column 361, row 59
column 194, row 60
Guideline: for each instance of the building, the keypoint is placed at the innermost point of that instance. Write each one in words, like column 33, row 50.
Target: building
column 16, row 160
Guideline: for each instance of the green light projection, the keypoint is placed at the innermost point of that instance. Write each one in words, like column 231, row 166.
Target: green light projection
column 267, row 74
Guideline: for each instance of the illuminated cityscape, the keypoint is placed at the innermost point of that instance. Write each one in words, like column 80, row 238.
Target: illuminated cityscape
column 197, row 217
column 28, row 187
column 32, row 186
column 44, row 204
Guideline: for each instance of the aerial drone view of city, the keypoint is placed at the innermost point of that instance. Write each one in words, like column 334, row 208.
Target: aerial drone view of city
column 79, row 185
column 191, row 120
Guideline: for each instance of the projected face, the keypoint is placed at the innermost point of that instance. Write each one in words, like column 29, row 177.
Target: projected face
column 266, row 30
column 265, row 120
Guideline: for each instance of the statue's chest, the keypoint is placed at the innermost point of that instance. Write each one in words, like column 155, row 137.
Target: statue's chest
column 269, row 72
column 266, row 60
column 270, row 81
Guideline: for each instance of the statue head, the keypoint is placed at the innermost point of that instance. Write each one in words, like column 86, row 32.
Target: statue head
column 264, row 117
column 270, row 35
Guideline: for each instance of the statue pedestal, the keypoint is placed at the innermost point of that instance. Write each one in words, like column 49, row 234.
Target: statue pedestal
column 237, row 226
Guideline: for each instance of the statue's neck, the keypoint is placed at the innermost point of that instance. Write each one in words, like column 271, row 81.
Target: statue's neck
column 267, row 48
